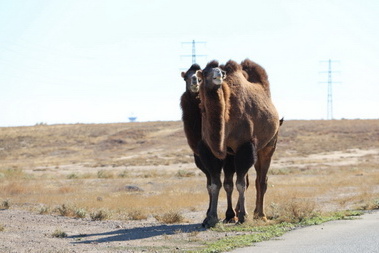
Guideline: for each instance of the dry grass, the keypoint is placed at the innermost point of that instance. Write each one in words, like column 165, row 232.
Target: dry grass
column 96, row 145
column 100, row 215
column 170, row 217
column 5, row 204
column 319, row 166
column 59, row 234
column 137, row 214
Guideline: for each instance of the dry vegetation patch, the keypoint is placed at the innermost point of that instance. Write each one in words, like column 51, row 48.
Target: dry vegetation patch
column 143, row 174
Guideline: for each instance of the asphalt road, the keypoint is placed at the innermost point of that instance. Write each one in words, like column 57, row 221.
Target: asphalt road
column 360, row 235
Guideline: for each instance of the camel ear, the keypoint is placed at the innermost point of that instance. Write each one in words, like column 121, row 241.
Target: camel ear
column 183, row 74
column 223, row 74
column 199, row 74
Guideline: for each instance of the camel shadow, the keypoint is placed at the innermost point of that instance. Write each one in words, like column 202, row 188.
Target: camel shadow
column 136, row 233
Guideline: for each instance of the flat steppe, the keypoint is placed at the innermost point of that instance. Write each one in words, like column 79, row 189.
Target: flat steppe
column 133, row 187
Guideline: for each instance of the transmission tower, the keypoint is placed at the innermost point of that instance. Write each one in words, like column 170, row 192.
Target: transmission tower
column 194, row 55
column 330, row 88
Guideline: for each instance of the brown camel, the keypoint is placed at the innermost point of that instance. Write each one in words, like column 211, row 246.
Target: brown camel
column 191, row 116
column 239, row 121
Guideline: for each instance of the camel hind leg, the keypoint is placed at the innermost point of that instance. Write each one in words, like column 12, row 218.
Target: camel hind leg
column 261, row 166
column 245, row 158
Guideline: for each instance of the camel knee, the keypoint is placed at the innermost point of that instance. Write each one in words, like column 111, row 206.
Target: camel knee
column 211, row 163
column 241, row 187
column 228, row 186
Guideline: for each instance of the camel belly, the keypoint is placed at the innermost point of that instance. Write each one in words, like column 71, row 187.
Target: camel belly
column 245, row 131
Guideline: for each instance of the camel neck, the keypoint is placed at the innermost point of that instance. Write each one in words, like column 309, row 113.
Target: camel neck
column 215, row 111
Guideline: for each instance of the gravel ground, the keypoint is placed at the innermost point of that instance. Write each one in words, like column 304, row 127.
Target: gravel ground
column 28, row 232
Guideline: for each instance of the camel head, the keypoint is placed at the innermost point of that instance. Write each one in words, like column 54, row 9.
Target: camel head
column 218, row 76
column 213, row 76
column 191, row 79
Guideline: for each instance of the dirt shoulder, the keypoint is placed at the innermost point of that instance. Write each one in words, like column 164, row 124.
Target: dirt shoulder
column 29, row 232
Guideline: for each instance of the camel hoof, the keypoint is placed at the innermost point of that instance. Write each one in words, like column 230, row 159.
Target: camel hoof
column 210, row 222
column 242, row 218
column 230, row 220
column 260, row 217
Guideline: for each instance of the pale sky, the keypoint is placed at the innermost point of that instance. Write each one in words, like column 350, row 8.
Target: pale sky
column 101, row 61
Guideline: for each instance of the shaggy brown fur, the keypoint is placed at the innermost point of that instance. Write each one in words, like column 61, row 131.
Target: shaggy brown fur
column 238, row 118
column 252, row 114
column 256, row 74
column 191, row 115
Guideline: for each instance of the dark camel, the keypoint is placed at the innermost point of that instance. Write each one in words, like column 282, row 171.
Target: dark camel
column 191, row 116
column 239, row 127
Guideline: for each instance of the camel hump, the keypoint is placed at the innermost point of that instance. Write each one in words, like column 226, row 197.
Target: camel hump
column 232, row 66
column 256, row 74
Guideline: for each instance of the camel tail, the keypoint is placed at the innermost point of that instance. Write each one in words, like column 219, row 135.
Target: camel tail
column 256, row 74
column 281, row 121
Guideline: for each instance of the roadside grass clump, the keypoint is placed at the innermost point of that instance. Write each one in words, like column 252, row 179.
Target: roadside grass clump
column 72, row 176
column 137, row 214
column 185, row 173
column 44, row 210
column 99, row 215
column 105, row 174
column 293, row 211
column 59, row 234
column 369, row 205
column 13, row 188
column 2, row 227
column 66, row 189
column 5, row 204
column 80, row 213
column 65, row 210
column 170, row 217
column 12, row 173
column 123, row 174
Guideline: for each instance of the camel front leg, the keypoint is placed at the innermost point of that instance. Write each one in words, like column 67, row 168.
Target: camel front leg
column 200, row 165
column 212, row 217
column 213, row 166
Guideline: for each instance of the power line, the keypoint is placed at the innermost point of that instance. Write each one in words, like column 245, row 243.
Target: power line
column 330, row 88
column 194, row 55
